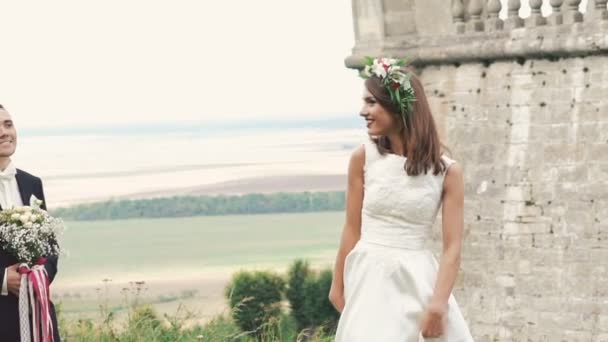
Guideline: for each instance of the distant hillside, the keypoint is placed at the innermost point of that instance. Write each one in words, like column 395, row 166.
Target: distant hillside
column 182, row 206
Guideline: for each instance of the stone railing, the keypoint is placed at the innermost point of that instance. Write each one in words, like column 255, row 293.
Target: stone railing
column 476, row 31
column 564, row 12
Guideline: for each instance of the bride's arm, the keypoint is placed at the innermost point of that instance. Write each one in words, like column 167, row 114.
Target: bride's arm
column 453, row 225
column 352, row 228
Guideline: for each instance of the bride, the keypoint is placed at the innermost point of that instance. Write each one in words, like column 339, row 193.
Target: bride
column 387, row 285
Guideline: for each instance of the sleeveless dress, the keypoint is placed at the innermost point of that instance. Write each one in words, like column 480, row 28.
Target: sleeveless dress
column 389, row 276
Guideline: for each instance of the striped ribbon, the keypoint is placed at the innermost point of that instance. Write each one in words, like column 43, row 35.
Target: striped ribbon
column 34, row 300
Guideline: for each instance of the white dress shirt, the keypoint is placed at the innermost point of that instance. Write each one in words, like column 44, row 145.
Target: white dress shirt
column 9, row 198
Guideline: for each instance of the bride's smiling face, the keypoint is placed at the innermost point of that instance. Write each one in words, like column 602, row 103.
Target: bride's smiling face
column 8, row 134
column 379, row 120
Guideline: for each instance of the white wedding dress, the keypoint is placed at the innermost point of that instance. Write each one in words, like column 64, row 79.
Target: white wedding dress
column 389, row 276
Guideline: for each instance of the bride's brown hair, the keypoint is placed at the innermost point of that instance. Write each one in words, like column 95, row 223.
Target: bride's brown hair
column 421, row 144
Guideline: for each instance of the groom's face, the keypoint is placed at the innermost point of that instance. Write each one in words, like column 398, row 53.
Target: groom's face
column 8, row 134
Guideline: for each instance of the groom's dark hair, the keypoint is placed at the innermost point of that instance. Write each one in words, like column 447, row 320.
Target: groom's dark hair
column 1, row 106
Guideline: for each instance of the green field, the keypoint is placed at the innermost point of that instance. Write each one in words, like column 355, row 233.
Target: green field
column 179, row 249
column 107, row 248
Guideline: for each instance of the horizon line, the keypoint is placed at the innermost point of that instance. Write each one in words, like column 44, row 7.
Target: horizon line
column 178, row 126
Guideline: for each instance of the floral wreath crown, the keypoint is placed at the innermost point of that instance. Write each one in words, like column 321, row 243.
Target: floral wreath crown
column 395, row 80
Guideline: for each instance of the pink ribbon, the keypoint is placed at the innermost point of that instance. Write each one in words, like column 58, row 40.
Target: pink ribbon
column 39, row 294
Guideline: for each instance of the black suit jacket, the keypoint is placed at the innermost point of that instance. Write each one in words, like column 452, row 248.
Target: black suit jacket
column 9, row 305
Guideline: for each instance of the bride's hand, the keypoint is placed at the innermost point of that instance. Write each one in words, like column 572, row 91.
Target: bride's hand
column 432, row 322
column 336, row 297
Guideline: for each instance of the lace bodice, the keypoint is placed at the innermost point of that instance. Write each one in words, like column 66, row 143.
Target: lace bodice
column 398, row 210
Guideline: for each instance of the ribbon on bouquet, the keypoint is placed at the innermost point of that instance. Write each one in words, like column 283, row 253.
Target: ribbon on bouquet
column 34, row 302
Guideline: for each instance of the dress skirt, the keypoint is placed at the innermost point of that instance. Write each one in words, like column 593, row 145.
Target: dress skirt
column 386, row 290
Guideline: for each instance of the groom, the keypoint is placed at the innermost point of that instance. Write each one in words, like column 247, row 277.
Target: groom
column 16, row 188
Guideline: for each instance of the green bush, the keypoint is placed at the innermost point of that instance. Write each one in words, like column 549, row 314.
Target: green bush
column 326, row 314
column 308, row 297
column 144, row 317
column 297, row 275
column 254, row 299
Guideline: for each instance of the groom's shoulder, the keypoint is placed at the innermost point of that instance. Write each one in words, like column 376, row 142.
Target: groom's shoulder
column 28, row 176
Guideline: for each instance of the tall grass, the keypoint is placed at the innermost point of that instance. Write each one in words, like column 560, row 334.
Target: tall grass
column 142, row 323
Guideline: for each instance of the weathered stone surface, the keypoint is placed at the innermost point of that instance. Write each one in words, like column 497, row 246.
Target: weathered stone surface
column 545, row 172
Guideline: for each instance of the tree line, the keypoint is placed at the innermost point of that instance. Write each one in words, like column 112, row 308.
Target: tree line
column 183, row 206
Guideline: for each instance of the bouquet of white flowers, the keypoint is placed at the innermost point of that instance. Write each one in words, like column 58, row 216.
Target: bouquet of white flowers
column 30, row 234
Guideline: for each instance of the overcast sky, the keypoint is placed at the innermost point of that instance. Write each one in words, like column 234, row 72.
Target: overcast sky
column 82, row 63
column 75, row 62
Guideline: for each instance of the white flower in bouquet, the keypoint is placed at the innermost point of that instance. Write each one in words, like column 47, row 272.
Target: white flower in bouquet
column 29, row 233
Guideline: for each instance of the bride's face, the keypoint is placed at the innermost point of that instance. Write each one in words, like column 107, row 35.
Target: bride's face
column 379, row 120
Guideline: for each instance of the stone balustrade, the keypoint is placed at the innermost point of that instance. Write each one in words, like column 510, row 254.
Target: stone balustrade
column 474, row 30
